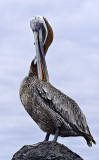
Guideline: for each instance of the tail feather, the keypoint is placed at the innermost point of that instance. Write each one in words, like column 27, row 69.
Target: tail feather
column 93, row 141
column 89, row 140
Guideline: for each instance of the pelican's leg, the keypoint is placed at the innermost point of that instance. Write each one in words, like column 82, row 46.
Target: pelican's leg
column 56, row 135
column 47, row 137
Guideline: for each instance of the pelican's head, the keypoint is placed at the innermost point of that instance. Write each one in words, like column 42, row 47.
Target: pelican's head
column 43, row 36
column 37, row 23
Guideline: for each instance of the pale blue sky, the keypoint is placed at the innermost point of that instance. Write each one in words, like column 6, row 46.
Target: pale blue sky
column 72, row 62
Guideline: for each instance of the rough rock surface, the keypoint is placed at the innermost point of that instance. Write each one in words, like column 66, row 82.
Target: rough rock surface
column 45, row 151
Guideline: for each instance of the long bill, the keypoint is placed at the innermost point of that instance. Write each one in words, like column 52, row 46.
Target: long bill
column 41, row 63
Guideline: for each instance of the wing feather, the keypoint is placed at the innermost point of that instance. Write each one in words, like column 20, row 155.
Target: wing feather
column 63, row 105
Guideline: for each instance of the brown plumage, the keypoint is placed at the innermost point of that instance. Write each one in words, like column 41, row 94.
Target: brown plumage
column 53, row 111
column 49, row 38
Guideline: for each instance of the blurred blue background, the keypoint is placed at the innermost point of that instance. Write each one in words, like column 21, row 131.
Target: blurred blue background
column 72, row 62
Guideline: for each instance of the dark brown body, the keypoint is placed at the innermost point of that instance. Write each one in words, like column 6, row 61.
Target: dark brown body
column 50, row 108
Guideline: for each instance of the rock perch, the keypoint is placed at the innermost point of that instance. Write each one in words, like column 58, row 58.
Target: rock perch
column 45, row 151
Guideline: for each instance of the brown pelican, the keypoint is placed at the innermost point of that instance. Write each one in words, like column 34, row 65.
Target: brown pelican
column 53, row 111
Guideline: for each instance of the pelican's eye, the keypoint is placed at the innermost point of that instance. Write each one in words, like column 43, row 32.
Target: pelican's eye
column 37, row 23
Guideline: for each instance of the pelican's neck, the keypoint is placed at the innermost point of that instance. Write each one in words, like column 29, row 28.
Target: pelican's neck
column 49, row 37
column 33, row 68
